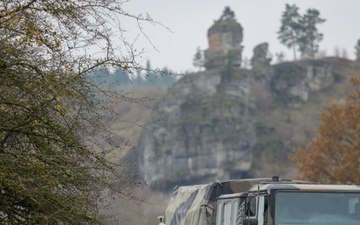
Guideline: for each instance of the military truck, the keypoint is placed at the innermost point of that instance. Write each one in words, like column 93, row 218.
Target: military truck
column 266, row 201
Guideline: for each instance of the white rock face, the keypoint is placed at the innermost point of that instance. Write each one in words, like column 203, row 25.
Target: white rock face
column 202, row 131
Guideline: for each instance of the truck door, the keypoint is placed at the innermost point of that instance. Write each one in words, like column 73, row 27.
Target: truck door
column 227, row 211
column 254, row 210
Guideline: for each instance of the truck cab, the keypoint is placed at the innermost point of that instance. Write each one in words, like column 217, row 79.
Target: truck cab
column 290, row 202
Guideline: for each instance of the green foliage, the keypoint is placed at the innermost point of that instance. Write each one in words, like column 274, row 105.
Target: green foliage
column 103, row 78
column 263, row 127
column 226, row 64
column 159, row 78
column 286, row 75
column 120, row 78
column 300, row 30
column 198, row 60
column 357, row 50
column 139, row 81
column 48, row 172
column 229, row 63
column 310, row 37
column 212, row 61
column 270, row 151
column 227, row 14
column 290, row 27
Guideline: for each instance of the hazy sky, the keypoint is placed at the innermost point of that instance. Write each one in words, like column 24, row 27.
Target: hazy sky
column 189, row 21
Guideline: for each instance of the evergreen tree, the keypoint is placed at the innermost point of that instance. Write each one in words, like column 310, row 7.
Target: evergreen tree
column 357, row 50
column 227, row 14
column 290, row 27
column 150, row 76
column 99, row 76
column 309, row 36
column 120, row 78
column 198, row 60
column 139, row 81
column 300, row 31
column 167, row 78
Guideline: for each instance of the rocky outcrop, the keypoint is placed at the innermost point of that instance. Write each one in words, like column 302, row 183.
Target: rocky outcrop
column 293, row 82
column 224, row 37
column 260, row 61
column 203, row 131
column 208, row 125
column 211, row 124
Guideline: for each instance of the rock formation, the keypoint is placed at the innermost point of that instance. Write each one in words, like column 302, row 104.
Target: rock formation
column 205, row 134
column 293, row 82
column 224, row 37
column 260, row 61
column 211, row 124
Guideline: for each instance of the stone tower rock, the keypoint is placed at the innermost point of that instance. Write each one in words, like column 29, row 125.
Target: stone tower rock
column 224, row 38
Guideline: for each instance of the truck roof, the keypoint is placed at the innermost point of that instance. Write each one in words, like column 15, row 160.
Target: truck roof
column 235, row 195
column 310, row 186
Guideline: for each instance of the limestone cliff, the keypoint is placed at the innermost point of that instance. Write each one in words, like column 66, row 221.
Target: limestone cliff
column 203, row 130
column 229, row 122
column 212, row 125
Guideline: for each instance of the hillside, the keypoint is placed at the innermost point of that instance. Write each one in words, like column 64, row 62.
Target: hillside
column 202, row 115
column 213, row 125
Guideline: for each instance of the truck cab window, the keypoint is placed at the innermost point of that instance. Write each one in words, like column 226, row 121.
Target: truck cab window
column 235, row 212
column 315, row 208
column 247, row 208
column 251, row 209
column 227, row 213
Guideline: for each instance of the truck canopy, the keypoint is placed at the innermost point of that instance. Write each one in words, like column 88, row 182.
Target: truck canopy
column 196, row 204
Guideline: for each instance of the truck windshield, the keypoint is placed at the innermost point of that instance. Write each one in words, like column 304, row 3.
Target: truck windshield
column 317, row 208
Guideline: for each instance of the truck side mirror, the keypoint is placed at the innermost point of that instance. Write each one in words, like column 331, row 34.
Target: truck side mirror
column 161, row 220
column 250, row 221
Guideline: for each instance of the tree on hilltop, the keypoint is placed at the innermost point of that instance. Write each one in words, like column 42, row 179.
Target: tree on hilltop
column 227, row 14
column 290, row 27
column 300, row 31
column 309, row 36
column 333, row 156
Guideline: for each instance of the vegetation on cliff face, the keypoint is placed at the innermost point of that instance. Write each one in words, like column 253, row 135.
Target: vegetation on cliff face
column 285, row 76
column 203, row 111
column 208, row 133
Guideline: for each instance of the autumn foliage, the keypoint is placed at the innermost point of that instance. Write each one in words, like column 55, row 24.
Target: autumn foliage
column 334, row 155
column 54, row 142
